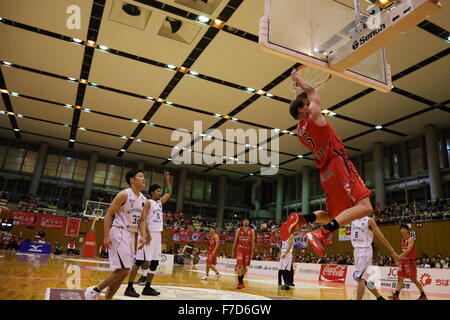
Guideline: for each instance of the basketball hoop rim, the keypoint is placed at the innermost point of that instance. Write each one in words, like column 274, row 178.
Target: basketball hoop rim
column 320, row 84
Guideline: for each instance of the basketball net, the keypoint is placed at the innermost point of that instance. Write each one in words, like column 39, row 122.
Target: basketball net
column 314, row 77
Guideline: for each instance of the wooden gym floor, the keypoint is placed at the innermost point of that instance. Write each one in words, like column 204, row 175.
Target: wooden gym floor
column 36, row 277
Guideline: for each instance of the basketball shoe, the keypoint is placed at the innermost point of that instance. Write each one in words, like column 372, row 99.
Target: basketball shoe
column 293, row 223
column 318, row 239
column 91, row 294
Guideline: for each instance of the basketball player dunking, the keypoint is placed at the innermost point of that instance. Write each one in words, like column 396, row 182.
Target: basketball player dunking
column 362, row 237
column 213, row 251
column 149, row 256
column 347, row 197
column 243, row 246
column 127, row 208
column 407, row 267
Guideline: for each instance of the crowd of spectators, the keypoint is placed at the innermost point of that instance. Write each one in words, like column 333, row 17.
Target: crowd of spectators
column 413, row 212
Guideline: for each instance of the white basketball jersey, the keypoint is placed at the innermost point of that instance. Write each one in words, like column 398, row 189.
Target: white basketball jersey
column 129, row 214
column 362, row 236
column 285, row 245
column 155, row 217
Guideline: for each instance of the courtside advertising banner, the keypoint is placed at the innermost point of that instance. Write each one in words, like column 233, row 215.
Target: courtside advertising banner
column 333, row 273
column 52, row 222
column 23, row 218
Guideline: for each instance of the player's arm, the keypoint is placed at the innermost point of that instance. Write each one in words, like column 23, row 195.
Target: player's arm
column 168, row 190
column 408, row 250
column 374, row 227
column 236, row 236
column 253, row 244
column 118, row 201
column 314, row 105
column 216, row 236
column 147, row 208
column 142, row 226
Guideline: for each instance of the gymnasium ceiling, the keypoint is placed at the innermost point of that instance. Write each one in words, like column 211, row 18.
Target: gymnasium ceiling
column 41, row 103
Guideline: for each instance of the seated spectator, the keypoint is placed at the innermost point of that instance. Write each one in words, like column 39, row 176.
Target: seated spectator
column 103, row 252
column 71, row 248
column 58, row 249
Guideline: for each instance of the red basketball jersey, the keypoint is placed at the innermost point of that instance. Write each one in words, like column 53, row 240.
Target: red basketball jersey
column 245, row 239
column 412, row 254
column 212, row 243
column 323, row 142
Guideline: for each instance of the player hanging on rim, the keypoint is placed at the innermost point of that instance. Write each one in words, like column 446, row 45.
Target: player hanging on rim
column 407, row 267
column 129, row 209
column 362, row 237
column 347, row 197
column 243, row 246
column 213, row 251
column 149, row 256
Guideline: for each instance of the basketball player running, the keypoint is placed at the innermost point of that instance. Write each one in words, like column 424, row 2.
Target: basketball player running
column 407, row 267
column 285, row 257
column 347, row 197
column 362, row 237
column 129, row 210
column 243, row 246
column 149, row 256
column 213, row 251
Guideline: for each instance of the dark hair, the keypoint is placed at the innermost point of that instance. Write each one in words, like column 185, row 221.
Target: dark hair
column 131, row 174
column 246, row 219
column 153, row 188
column 299, row 102
column 404, row 226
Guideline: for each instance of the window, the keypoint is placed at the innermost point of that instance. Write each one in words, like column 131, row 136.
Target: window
column 51, row 165
column 188, row 186
column 14, row 159
column 123, row 180
column 198, row 188
column 387, row 165
column 100, row 173
column 66, row 168
column 415, row 156
column 113, row 175
column 30, row 162
column 3, row 150
column 80, row 170
column 368, row 173
column 396, row 160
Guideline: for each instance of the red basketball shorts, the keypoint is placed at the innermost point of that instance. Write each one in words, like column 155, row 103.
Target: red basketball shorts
column 243, row 257
column 212, row 258
column 342, row 185
column 407, row 269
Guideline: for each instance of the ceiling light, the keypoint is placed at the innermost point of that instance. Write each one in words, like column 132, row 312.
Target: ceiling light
column 160, row 100
column 138, row 140
column 168, row 102
column 7, row 63
column 277, row 130
column 227, row 117
column 2, row 112
column 234, row 119
column 143, row 122
column 183, row 69
column 72, row 79
column 326, row 111
column 203, row 19
column 82, row 128
column 135, row 120
column 269, row 95
column 68, row 106
column 103, row 47
column 17, row 130
column 332, row 114
column 170, row 66
column 149, row 99
column 170, row 159
column 4, row 91
column 83, row 81
column 72, row 140
column 250, row 90
column 194, row 73
column 251, row 174
column 123, row 150
column 217, row 115
column 261, row 92
column 91, row 43
column 175, row 24
column 131, row 10
column 124, row 137
column 86, row 110
column 300, row 156
column 15, row 94
column 76, row 40
column 379, row 127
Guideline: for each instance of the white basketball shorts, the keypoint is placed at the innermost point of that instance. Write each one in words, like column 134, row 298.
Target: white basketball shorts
column 363, row 260
column 122, row 250
column 151, row 251
column 286, row 262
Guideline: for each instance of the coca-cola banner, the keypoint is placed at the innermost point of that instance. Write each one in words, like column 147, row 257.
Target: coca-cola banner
column 52, row 222
column 23, row 218
column 333, row 273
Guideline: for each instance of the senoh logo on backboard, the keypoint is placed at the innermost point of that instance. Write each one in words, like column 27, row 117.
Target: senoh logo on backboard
column 333, row 273
column 368, row 37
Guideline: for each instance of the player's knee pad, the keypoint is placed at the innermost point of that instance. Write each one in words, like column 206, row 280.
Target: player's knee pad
column 139, row 262
column 154, row 265
column 369, row 284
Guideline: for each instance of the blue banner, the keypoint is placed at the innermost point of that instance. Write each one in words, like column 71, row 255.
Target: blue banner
column 32, row 247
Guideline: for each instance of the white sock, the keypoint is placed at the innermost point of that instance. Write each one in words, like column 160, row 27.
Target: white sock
column 144, row 272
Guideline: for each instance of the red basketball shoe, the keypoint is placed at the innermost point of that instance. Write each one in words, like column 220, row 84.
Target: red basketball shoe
column 240, row 286
column 293, row 223
column 319, row 238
